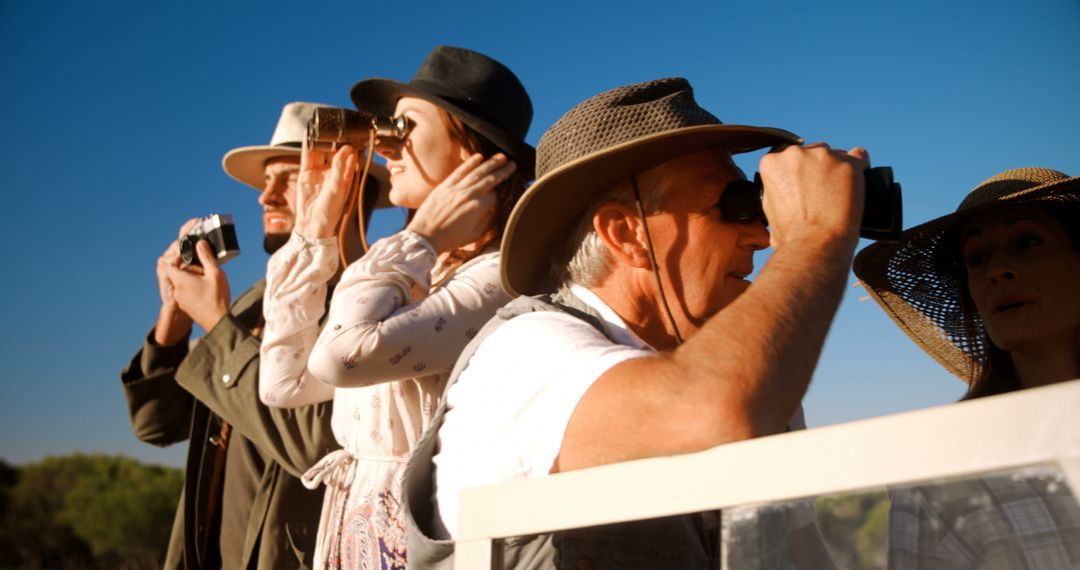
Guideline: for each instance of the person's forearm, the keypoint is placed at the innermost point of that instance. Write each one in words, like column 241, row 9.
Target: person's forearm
column 173, row 325
column 294, row 301
column 741, row 375
column 386, row 325
column 160, row 410
column 771, row 336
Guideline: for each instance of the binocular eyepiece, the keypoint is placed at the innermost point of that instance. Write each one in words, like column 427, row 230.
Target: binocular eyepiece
column 882, row 217
column 331, row 127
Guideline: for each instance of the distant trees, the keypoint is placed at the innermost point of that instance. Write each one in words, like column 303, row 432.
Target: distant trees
column 86, row 511
column 856, row 527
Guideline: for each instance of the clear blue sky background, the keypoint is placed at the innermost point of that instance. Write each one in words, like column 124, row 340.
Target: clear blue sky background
column 115, row 116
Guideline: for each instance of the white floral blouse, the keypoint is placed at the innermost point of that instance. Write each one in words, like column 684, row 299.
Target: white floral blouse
column 388, row 345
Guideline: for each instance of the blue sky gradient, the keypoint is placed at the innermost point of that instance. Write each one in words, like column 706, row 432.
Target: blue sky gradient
column 116, row 115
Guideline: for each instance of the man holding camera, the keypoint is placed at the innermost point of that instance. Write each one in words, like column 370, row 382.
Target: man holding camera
column 646, row 339
column 243, row 503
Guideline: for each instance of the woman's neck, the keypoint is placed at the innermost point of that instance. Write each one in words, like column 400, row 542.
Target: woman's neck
column 448, row 261
column 1046, row 365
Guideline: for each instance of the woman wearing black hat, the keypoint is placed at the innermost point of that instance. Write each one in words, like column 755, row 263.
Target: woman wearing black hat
column 401, row 314
column 990, row 292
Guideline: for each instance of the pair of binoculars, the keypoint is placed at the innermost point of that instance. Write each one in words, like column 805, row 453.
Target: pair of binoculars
column 882, row 217
column 331, row 127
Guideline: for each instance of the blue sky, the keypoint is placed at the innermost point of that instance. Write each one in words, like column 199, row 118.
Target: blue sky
column 116, row 115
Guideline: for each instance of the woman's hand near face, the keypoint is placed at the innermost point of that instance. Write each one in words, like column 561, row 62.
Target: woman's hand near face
column 321, row 191
column 461, row 208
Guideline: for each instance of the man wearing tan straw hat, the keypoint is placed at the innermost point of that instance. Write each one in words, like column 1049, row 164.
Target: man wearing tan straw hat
column 642, row 336
column 243, row 503
column 989, row 291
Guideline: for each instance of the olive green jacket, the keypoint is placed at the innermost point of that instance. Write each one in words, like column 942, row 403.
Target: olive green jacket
column 265, row 518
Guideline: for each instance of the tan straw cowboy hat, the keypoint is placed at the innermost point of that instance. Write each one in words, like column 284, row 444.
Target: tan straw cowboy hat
column 598, row 143
column 919, row 280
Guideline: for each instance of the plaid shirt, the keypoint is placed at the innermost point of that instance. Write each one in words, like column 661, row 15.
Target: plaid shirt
column 1011, row 521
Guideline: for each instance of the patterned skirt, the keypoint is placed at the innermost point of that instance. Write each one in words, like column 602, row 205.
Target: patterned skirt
column 362, row 526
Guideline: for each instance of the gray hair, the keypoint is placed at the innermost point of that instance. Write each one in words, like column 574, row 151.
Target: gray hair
column 582, row 258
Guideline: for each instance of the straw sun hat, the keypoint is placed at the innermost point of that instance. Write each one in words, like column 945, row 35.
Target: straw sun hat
column 598, row 143
column 919, row 280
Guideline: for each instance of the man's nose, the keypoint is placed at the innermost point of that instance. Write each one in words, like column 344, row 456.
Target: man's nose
column 754, row 236
column 273, row 192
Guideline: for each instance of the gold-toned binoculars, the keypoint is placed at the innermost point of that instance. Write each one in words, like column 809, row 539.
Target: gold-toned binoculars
column 332, row 127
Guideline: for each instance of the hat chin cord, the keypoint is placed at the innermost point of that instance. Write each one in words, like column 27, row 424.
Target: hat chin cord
column 652, row 258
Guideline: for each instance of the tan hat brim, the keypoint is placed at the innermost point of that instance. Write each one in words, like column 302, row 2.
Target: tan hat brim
column 247, row 164
column 545, row 212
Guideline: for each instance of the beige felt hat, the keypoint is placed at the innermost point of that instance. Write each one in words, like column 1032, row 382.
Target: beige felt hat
column 596, row 144
column 919, row 279
column 246, row 163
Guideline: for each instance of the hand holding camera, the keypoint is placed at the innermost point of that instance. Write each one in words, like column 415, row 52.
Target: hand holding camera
column 217, row 230
column 462, row 207
column 200, row 289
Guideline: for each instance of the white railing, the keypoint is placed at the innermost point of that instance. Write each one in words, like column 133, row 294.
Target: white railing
column 1034, row 427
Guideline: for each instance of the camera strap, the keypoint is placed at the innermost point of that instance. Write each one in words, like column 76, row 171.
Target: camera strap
column 652, row 258
column 355, row 202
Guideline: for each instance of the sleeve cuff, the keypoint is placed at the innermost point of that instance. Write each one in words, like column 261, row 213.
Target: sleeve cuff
column 303, row 242
column 156, row 357
column 419, row 241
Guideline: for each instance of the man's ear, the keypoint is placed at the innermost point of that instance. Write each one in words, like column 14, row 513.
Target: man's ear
column 619, row 227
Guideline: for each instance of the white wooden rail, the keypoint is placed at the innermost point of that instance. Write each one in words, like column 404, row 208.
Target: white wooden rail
column 1034, row 427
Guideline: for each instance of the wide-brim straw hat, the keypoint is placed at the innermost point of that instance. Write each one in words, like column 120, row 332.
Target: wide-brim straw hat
column 598, row 143
column 246, row 164
column 481, row 92
column 919, row 280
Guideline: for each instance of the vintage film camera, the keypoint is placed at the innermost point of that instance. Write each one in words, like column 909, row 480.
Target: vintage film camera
column 219, row 231
column 882, row 217
column 331, row 127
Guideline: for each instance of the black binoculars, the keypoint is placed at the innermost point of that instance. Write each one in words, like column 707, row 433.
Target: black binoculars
column 882, row 217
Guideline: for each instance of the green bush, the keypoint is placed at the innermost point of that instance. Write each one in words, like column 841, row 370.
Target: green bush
column 87, row 511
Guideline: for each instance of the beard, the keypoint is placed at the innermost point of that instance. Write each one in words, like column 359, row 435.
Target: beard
column 273, row 242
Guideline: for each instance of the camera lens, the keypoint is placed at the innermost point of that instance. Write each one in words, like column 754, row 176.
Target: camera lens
column 187, row 250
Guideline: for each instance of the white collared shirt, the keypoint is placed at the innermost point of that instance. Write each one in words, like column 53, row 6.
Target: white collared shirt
column 509, row 409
